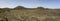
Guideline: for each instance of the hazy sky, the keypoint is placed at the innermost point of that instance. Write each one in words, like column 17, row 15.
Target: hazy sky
column 30, row 3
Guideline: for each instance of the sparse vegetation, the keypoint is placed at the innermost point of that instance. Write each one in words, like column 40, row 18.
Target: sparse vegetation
column 27, row 14
column 50, row 19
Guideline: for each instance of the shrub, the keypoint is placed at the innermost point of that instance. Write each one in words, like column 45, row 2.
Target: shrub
column 2, row 11
column 6, row 9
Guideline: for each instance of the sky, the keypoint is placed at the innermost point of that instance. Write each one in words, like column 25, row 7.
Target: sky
column 30, row 3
